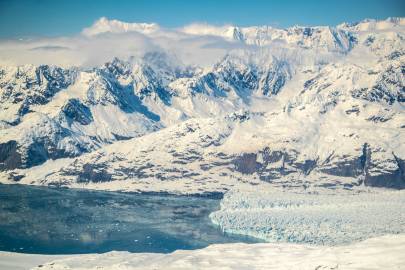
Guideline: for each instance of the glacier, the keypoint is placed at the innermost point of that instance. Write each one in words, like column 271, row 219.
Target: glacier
column 318, row 217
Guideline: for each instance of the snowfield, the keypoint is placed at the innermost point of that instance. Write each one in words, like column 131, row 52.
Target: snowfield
column 317, row 217
column 385, row 252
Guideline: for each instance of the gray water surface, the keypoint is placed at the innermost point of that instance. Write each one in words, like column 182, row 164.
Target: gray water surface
column 66, row 221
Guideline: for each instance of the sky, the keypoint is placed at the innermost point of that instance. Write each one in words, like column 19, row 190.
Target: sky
column 88, row 33
column 50, row 18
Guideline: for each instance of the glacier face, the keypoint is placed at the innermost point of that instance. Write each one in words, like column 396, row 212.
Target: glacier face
column 304, row 106
column 320, row 218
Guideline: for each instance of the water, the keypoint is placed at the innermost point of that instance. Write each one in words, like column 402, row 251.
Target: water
column 63, row 221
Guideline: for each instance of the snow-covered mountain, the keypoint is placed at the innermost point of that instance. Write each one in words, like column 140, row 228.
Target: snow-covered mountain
column 104, row 25
column 303, row 106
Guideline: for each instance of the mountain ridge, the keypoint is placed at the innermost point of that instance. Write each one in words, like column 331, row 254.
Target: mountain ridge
column 323, row 108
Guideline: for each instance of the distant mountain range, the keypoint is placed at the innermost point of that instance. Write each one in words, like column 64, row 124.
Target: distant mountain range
column 303, row 106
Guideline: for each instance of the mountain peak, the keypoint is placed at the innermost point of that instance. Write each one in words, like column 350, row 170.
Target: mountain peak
column 373, row 24
column 104, row 25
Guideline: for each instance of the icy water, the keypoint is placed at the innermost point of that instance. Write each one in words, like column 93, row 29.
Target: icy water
column 63, row 221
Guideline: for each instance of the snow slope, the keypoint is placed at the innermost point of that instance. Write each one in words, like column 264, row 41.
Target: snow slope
column 377, row 253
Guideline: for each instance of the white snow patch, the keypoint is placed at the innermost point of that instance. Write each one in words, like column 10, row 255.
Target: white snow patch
column 378, row 253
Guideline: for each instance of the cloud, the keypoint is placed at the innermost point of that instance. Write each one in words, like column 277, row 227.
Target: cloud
column 106, row 39
column 74, row 51
column 197, row 44
column 49, row 48
column 203, row 29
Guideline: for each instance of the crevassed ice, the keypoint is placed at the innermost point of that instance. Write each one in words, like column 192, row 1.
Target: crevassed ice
column 322, row 219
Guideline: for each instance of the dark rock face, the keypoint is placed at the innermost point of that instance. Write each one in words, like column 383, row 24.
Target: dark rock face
column 307, row 166
column 112, row 92
column 389, row 87
column 93, row 173
column 273, row 81
column 276, row 164
column 281, row 163
column 394, row 180
column 39, row 150
column 16, row 176
column 10, row 158
column 390, row 179
column 43, row 149
column 29, row 86
column 56, row 79
column 242, row 79
column 246, row 163
column 153, row 84
column 77, row 111
column 347, row 167
column 35, row 89
column 88, row 172
column 36, row 154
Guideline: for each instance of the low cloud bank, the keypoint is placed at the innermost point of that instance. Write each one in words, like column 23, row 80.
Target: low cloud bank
column 106, row 39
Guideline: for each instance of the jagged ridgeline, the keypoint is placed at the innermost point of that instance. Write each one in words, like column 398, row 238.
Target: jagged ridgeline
column 301, row 106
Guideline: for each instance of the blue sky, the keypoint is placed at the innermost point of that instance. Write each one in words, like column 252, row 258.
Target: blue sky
column 26, row 18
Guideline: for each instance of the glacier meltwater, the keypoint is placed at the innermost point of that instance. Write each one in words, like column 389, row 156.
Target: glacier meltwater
column 55, row 221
